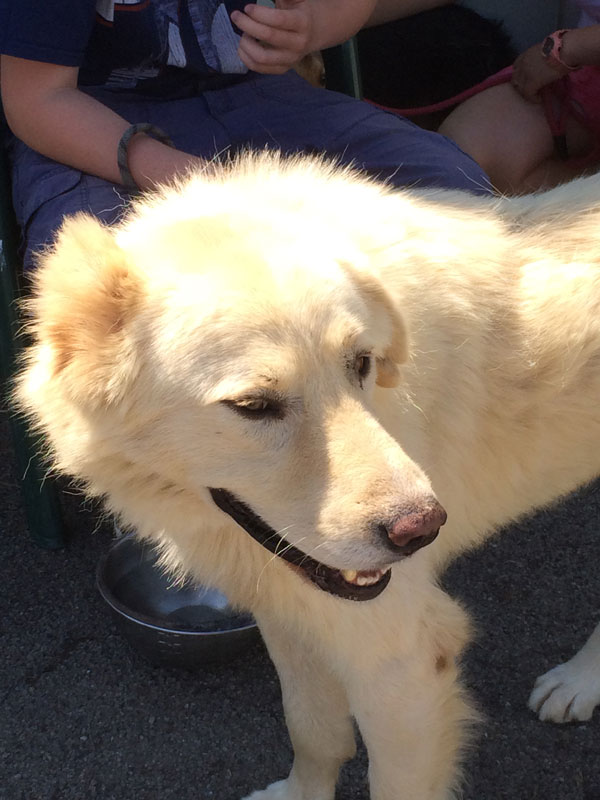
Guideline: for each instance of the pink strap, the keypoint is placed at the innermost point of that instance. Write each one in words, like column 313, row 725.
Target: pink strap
column 494, row 80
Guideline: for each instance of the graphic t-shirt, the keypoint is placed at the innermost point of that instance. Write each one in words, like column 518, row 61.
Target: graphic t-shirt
column 119, row 43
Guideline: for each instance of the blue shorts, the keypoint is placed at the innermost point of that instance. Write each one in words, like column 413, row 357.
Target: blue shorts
column 279, row 112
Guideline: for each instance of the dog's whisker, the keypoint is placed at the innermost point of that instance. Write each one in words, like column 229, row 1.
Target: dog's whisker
column 114, row 208
column 287, row 546
column 486, row 185
column 282, row 551
column 273, row 558
column 275, row 555
column 310, row 553
column 282, row 531
column 393, row 174
column 216, row 158
column 279, row 533
column 26, row 470
column 417, row 407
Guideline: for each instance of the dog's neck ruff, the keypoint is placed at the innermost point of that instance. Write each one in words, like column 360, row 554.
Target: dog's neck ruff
column 326, row 578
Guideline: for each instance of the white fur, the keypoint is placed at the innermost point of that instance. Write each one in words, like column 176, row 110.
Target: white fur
column 570, row 692
column 483, row 320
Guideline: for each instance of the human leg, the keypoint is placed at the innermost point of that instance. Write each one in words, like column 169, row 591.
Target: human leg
column 511, row 139
column 45, row 192
column 284, row 112
column 504, row 133
column 280, row 112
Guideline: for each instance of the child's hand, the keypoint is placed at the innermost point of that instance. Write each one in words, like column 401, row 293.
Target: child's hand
column 531, row 72
column 274, row 39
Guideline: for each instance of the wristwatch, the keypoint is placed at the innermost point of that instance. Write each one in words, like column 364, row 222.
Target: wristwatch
column 551, row 47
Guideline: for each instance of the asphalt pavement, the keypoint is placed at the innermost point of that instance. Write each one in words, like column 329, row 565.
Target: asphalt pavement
column 83, row 716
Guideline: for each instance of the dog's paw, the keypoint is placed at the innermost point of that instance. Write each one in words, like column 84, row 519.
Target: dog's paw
column 285, row 790
column 276, row 791
column 567, row 693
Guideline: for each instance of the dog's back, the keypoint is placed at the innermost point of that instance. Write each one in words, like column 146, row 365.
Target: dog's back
column 504, row 378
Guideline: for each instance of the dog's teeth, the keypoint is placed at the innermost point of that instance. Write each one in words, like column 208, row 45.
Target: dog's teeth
column 362, row 578
column 370, row 577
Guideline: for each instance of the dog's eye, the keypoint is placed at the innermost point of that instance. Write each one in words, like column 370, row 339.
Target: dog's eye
column 362, row 366
column 256, row 407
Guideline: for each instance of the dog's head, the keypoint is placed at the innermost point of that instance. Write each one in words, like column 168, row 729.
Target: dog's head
column 206, row 351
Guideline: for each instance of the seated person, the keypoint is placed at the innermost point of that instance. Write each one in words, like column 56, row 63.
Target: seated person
column 212, row 75
column 543, row 127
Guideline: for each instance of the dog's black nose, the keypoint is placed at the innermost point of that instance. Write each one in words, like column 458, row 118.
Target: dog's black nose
column 412, row 529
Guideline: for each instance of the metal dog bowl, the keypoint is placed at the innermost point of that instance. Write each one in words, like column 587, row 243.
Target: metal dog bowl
column 170, row 624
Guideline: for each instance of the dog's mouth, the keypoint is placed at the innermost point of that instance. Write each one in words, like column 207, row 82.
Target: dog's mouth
column 348, row 584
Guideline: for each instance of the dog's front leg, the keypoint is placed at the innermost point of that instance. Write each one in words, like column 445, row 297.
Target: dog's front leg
column 404, row 691
column 570, row 692
column 411, row 716
column 317, row 715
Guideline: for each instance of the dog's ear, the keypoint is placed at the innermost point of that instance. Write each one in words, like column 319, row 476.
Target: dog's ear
column 384, row 314
column 85, row 295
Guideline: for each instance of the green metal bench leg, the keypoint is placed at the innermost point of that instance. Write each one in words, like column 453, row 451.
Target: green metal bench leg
column 342, row 69
column 40, row 498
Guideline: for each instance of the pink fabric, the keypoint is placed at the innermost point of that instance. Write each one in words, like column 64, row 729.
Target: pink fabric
column 576, row 95
column 584, row 95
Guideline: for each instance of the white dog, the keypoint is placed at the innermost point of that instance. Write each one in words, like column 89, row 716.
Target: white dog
column 287, row 376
